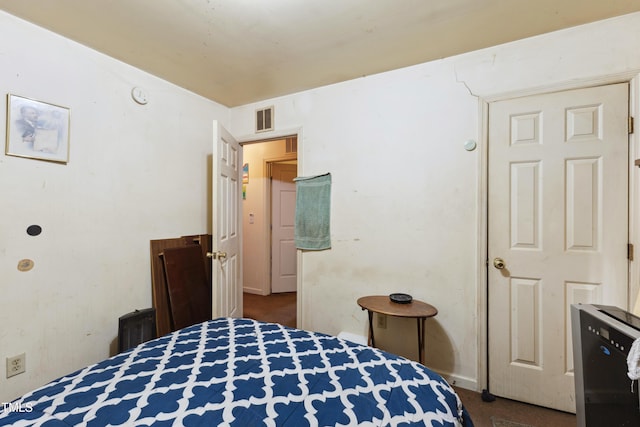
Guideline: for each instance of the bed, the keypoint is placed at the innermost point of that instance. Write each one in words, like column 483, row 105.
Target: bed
column 242, row 372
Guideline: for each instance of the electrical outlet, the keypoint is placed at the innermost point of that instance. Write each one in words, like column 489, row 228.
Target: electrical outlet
column 382, row 321
column 16, row 365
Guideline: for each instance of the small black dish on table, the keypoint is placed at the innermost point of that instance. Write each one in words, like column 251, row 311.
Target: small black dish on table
column 401, row 298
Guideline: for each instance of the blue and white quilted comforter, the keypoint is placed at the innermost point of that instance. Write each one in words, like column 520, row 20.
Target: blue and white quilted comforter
column 240, row 372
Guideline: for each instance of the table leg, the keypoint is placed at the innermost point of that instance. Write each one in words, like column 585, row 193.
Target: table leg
column 421, row 339
column 372, row 341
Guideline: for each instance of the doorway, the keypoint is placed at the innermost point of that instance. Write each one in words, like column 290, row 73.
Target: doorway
column 260, row 157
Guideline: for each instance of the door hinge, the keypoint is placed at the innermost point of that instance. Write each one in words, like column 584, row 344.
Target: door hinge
column 630, row 126
column 630, row 251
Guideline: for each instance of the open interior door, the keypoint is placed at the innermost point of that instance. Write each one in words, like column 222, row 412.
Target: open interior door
column 226, row 230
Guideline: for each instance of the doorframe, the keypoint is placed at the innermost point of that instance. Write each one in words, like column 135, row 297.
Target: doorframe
column 274, row 136
column 633, row 79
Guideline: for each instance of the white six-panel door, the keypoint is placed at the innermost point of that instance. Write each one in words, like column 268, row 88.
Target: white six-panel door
column 558, row 232
column 226, row 271
column 283, row 249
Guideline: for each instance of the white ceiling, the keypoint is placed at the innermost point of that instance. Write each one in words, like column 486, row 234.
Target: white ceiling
column 241, row 51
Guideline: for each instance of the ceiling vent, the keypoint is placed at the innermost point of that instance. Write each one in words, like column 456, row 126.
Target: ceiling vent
column 291, row 144
column 264, row 119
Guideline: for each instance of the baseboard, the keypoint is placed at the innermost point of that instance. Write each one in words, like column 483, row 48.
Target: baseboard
column 255, row 291
column 459, row 381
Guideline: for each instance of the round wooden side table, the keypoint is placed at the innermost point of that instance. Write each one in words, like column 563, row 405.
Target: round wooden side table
column 383, row 305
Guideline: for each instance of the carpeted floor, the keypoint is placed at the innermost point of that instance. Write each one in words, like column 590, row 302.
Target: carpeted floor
column 278, row 308
column 509, row 413
column 499, row 422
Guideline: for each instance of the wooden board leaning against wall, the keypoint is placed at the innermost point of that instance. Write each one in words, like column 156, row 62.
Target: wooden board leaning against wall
column 160, row 297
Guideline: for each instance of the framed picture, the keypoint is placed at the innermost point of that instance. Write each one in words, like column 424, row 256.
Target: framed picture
column 245, row 173
column 37, row 130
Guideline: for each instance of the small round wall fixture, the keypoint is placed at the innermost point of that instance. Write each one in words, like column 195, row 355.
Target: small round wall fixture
column 25, row 265
column 34, row 230
column 470, row 145
column 139, row 95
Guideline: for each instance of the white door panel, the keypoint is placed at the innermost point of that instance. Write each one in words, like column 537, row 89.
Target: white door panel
column 283, row 248
column 558, row 217
column 226, row 272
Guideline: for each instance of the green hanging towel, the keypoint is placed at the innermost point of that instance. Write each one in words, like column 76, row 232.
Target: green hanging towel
column 313, row 206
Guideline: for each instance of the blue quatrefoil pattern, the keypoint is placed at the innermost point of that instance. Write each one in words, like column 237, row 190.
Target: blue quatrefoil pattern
column 240, row 372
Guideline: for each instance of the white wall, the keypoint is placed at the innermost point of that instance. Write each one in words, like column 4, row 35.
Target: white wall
column 404, row 202
column 407, row 199
column 135, row 173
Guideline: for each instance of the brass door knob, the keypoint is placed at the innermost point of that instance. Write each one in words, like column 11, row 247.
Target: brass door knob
column 498, row 263
column 216, row 255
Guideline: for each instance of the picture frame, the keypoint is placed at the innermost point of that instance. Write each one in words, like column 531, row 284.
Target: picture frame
column 245, row 173
column 37, row 130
